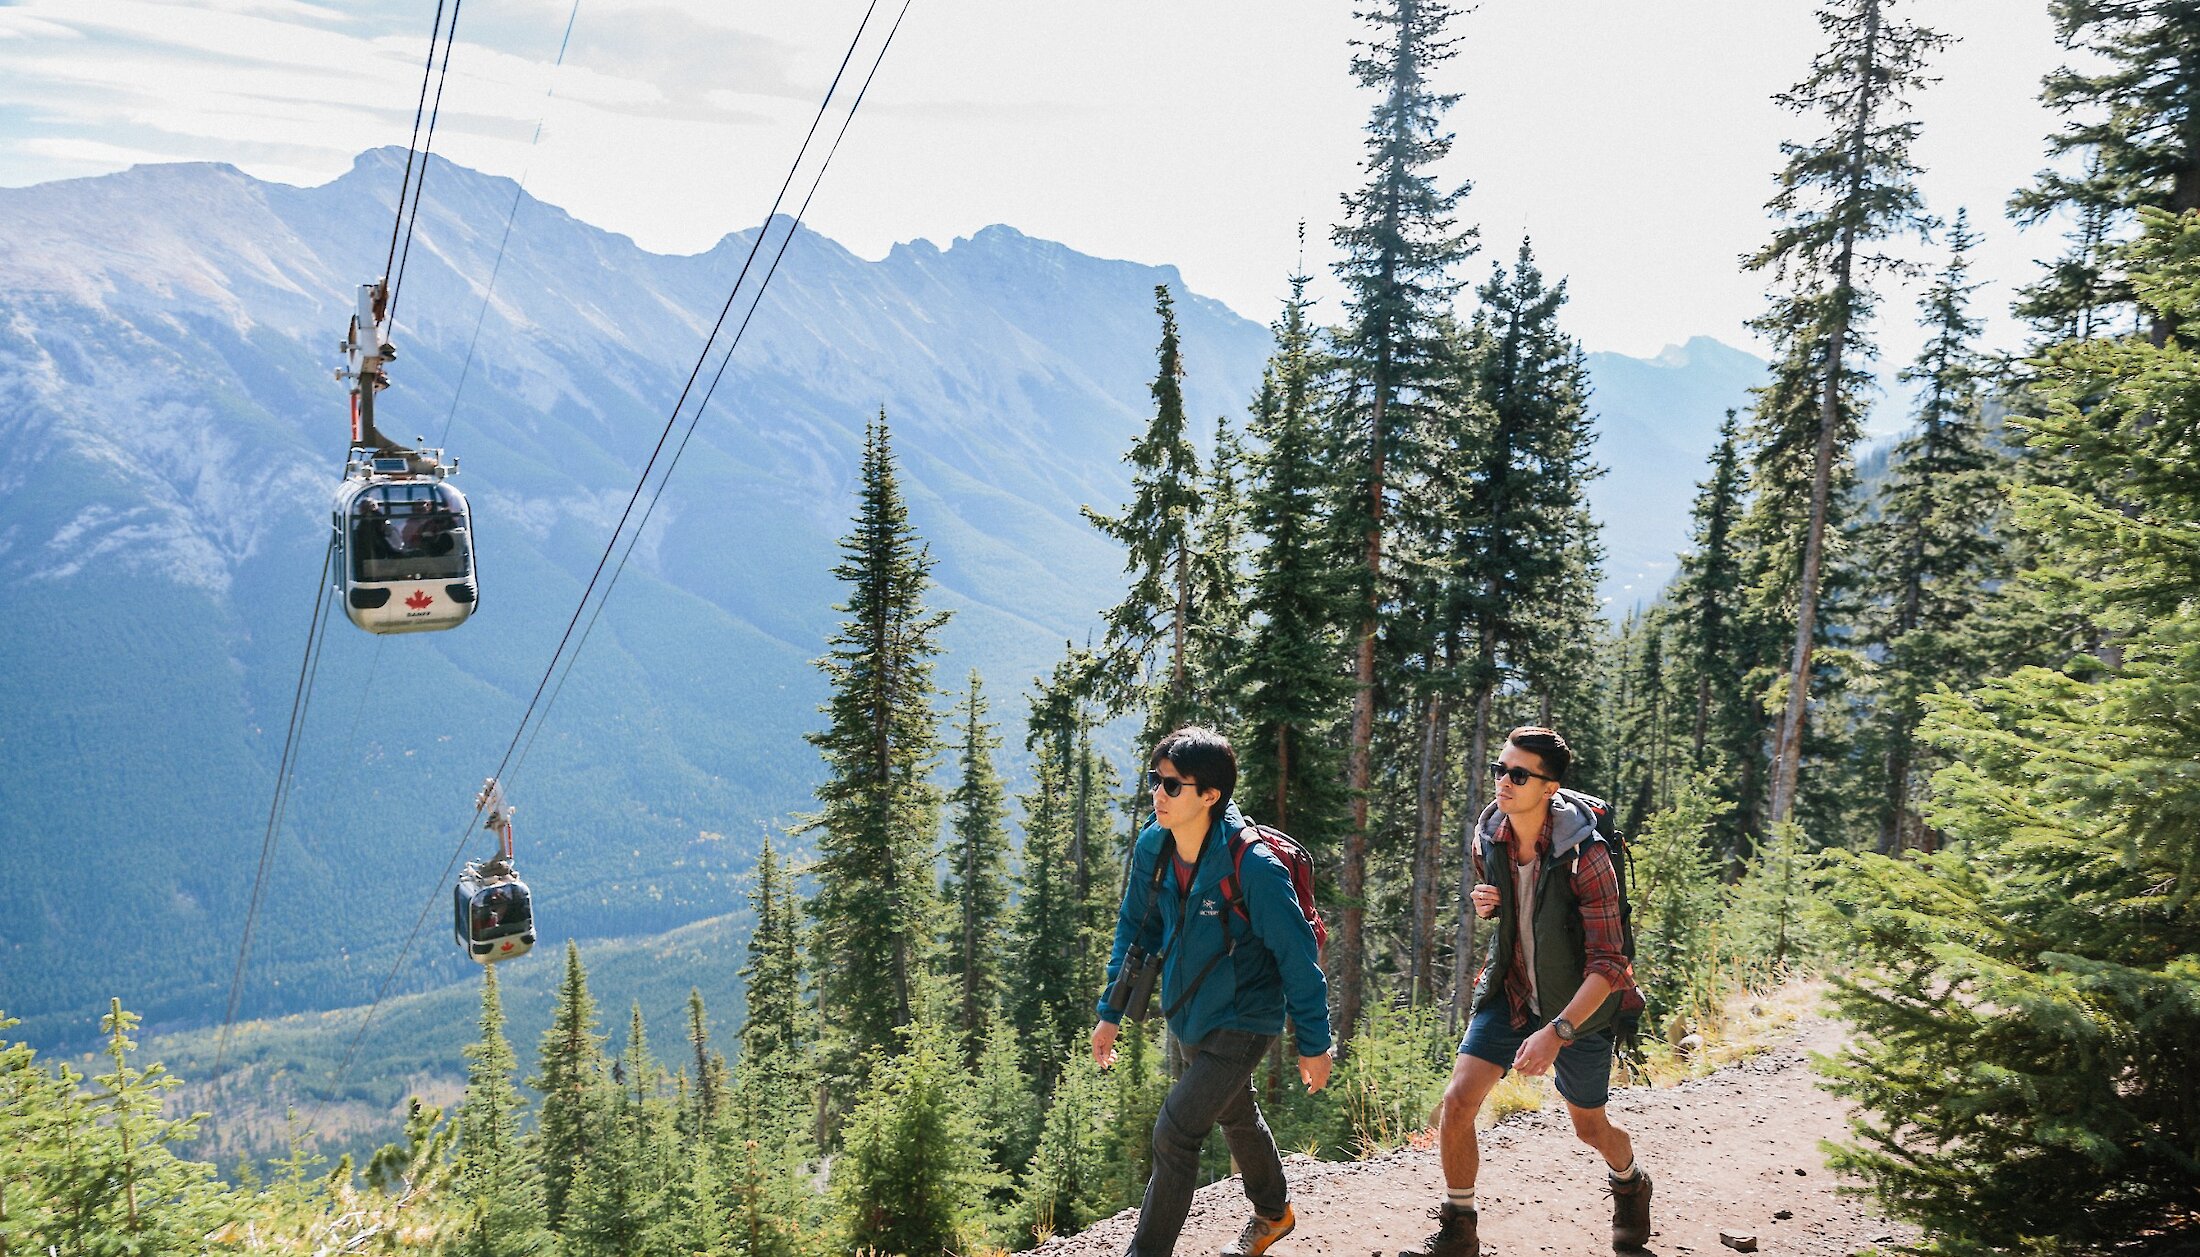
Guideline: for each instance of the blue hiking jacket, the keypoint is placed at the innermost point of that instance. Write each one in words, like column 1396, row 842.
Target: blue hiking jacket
column 1276, row 965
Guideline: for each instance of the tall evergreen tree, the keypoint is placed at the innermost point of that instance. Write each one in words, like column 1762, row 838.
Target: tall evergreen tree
column 875, row 905
column 911, row 1177
column 775, row 1036
column 2029, row 1005
column 498, row 1185
column 1932, row 551
column 1523, row 555
column 2133, row 110
column 1292, row 692
column 1147, row 660
column 1051, row 1000
column 707, row 1096
column 1400, row 243
column 977, row 874
column 1704, row 608
column 569, row 1066
column 112, row 1181
column 1840, row 197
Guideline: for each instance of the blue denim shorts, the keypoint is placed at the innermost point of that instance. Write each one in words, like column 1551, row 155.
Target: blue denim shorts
column 1584, row 1067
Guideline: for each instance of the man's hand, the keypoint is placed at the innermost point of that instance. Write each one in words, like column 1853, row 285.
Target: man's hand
column 1485, row 901
column 1314, row 1070
column 1103, row 1044
column 1537, row 1053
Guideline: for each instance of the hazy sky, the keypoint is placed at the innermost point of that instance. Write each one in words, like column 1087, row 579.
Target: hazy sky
column 1634, row 140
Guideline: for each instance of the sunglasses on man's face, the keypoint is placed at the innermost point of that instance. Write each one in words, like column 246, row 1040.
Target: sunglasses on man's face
column 1171, row 786
column 1516, row 774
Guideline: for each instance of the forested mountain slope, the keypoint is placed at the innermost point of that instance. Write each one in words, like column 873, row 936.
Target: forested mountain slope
column 169, row 435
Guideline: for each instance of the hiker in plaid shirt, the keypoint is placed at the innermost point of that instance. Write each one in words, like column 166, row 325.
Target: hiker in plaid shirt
column 1556, row 979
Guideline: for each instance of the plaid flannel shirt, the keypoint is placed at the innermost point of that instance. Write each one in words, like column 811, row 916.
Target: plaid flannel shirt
column 1596, row 886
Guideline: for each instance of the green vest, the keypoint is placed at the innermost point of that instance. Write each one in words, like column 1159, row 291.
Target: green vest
column 1561, row 944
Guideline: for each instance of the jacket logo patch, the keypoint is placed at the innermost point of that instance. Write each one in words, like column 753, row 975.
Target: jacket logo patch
column 1209, row 908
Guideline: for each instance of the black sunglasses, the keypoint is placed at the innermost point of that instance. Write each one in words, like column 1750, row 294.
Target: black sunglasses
column 1516, row 774
column 1171, row 786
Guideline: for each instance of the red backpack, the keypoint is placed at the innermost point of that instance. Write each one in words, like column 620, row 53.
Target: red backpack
column 1294, row 858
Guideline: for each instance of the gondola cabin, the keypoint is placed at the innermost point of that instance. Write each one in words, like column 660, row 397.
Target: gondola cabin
column 405, row 545
column 493, row 916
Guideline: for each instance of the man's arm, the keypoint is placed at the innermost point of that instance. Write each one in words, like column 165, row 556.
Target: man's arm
column 1273, row 907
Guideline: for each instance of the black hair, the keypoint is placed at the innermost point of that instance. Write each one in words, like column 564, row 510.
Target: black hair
column 1204, row 756
column 1546, row 745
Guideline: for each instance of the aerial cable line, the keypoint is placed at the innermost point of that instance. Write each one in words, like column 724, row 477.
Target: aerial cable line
column 351, row 1051
column 412, row 146
column 634, row 537
column 497, row 267
column 301, row 698
column 427, row 147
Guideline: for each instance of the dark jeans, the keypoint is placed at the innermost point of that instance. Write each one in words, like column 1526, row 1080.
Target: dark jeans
column 1215, row 1087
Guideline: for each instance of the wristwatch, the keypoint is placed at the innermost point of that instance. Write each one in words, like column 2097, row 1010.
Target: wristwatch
column 1564, row 1029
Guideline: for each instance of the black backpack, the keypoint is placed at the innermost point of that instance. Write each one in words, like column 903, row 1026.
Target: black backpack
column 1627, row 1026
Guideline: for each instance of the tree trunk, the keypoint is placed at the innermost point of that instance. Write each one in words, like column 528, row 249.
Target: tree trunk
column 1352, row 921
column 1462, row 961
column 1428, row 846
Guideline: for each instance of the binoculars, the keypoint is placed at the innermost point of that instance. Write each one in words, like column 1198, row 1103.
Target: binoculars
column 1131, row 995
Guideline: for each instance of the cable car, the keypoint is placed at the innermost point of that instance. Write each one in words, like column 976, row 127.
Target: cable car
column 492, row 912
column 404, row 544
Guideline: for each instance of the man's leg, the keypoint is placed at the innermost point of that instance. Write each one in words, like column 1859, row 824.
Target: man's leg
column 1217, row 1071
column 1595, row 1128
column 1253, row 1145
column 1471, row 1081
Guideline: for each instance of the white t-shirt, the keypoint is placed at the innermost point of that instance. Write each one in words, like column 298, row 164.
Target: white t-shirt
column 1524, row 925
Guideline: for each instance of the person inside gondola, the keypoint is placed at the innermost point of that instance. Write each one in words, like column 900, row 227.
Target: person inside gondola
column 367, row 541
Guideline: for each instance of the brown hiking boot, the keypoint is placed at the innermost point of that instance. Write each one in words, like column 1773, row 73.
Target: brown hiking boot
column 1261, row 1232
column 1455, row 1235
column 1630, row 1211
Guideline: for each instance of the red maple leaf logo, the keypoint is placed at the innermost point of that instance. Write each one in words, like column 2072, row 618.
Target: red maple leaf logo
column 507, row 947
column 419, row 600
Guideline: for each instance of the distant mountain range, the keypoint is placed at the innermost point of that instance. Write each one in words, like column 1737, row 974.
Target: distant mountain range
column 170, row 436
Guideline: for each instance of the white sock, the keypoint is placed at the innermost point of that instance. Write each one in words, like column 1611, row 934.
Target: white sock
column 1627, row 1175
column 1459, row 1197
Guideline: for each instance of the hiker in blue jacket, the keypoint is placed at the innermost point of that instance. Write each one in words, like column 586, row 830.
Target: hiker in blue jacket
column 1237, row 953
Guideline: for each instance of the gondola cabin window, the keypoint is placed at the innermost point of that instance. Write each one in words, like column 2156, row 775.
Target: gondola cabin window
column 408, row 532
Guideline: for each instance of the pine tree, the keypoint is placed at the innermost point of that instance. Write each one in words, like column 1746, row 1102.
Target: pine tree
column 1147, row 659
column 1840, row 197
column 1704, row 601
column 1005, row 1097
column 1932, row 550
column 1287, row 680
column 35, row 1105
column 2134, row 116
column 875, row 905
column 569, row 1065
column 1522, row 556
column 977, row 876
column 2027, row 1005
column 1051, row 1000
column 1064, row 1176
column 911, row 1175
column 499, row 1189
column 1401, row 243
column 707, row 1096
column 1220, row 615
column 111, row 1180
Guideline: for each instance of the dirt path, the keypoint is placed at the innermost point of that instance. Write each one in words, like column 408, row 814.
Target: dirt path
column 1733, row 1152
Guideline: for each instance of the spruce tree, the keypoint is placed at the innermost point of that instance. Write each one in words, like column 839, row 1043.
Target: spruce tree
column 707, row 1095
column 2026, row 1005
column 878, row 825
column 1147, row 660
column 1841, row 196
column 569, row 1065
column 1051, row 1000
column 1932, row 551
column 111, row 1180
column 1400, row 242
column 1704, row 609
column 2132, row 104
column 911, row 1175
column 1291, row 691
column 498, row 1186
column 1522, row 556
column 977, row 877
